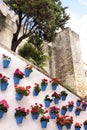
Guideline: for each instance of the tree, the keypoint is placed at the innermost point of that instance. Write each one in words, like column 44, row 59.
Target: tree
column 37, row 17
column 31, row 53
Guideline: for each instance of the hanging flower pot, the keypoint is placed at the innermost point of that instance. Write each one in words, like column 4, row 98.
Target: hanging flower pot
column 78, row 110
column 28, row 70
column 19, row 119
column 44, row 84
column 1, row 113
column 43, row 87
column 85, row 124
column 17, row 76
column 44, row 120
column 52, row 115
column 54, row 87
column 36, row 110
column 19, row 96
column 21, row 91
column 64, row 110
column 3, row 107
column 4, row 86
column 68, row 126
column 4, row 82
column 6, row 61
column 84, row 105
column 60, row 127
column 35, row 116
column 20, row 113
column 77, row 126
column 54, row 83
column 70, row 108
column 36, row 89
column 85, row 127
column 47, row 101
column 16, row 80
column 78, row 102
column 63, row 95
column 56, row 100
column 43, row 124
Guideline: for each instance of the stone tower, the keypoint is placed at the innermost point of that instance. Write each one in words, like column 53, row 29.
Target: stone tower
column 66, row 61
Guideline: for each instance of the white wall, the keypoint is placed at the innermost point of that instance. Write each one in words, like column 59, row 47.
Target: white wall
column 8, row 122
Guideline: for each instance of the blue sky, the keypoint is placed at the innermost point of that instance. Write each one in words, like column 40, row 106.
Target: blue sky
column 78, row 21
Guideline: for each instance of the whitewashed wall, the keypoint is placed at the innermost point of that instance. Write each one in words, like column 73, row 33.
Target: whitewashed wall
column 8, row 121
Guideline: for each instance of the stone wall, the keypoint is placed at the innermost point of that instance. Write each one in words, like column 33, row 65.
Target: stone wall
column 68, row 60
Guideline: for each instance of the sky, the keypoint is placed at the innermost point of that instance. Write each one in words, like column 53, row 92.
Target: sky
column 77, row 9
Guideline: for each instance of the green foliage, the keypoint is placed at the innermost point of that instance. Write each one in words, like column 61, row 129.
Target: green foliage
column 30, row 52
column 37, row 18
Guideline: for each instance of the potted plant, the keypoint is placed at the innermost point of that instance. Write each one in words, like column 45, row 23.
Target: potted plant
column 78, row 110
column 60, row 121
column 27, row 71
column 22, row 91
column 53, row 111
column 63, row 95
column 64, row 109
column 56, row 97
column 4, row 82
column 77, row 126
column 54, row 83
column 44, row 120
column 70, row 105
column 36, row 90
column 44, row 84
column 6, row 61
column 47, row 101
column 78, row 102
column 18, row 74
column 84, row 105
column 68, row 122
column 85, row 124
column 36, row 110
column 3, row 107
column 20, row 113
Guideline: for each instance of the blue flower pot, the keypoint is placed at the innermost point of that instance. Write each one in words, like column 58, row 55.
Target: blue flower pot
column 43, row 87
column 35, row 116
column 63, row 97
column 56, row 100
column 6, row 63
column 63, row 111
column 77, row 113
column 4, row 86
column 43, row 124
column 70, row 108
column 16, row 80
column 68, row 126
column 35, row 93
column 19, row 96
column 19, row 119
column 60, row 127
column 52, row 115
column 77, row 128
column 54, row 87
column 1, row 114
column 27, row 72
column 85, row 127
column 47, row 103
column 78, row 103
column 83, row 108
